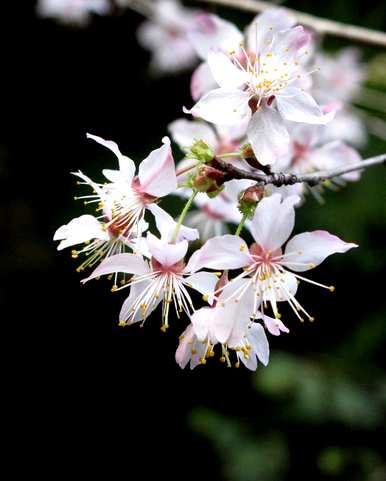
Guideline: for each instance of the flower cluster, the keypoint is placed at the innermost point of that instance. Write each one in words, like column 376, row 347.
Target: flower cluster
column 256, row 106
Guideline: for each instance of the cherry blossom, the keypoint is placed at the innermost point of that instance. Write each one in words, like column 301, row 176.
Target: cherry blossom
column 72, row 11
column 165, row 35
column 262, row 87
column 163, row 279
column 265, row 266
column 227, row 324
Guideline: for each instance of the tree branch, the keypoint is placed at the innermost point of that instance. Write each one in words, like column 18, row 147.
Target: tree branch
column 320, row 25
column 280, row 179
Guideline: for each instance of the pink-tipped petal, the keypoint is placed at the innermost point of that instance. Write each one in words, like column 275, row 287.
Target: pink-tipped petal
column 157, row 173
column 306, row 251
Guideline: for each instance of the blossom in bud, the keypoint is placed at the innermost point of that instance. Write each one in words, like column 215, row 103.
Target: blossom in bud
column 264, row 88
column 209, row 180
column 265, row 266
column 201, row 151
column 165, row 36
column 77, row 12
column 164, row 278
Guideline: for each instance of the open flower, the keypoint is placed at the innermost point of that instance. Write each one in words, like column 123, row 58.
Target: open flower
column 165, row 35
column 122, row 203
column 72, row 11
column 227, row 324
column 263, row 87
column 265, row 266
column 164, row 279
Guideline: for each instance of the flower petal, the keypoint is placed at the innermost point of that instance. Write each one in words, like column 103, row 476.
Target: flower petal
column 298, row 106
column 273, row 221
column 202, row 81
column 78, row 230
column 126, row 165
column 184, row 350
column 224, row 71
column 201, row 320
column 259, row 342
column 186, row 132
column 127, row 307
column 212, row 31
column 126, row 263
column 268, row 135
column 274, row 326
column 166, row 254
column 223, row 252
column 166, row 226
column 222, row 106
column 203, row 282
column 157, row 173
column 306, row 251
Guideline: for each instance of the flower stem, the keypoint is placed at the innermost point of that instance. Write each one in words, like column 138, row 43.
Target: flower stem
column 241, row 225
column 181, row 219
column 230, row 154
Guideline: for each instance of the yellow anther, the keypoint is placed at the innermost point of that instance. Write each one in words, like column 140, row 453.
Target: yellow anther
column 205, row 297
column 202, row 360
column 222, row 359
column 331, row 288
column 114, row 288
column 218, row 274
column 164, row 327
column 312, row 319
column 194, row 351
column 211, row 354
column 311, row 265
column 237, row 364
column 121, row 323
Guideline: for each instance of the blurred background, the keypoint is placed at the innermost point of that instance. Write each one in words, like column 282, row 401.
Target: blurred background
column 88, row 398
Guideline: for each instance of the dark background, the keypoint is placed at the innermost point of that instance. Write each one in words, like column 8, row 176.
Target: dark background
column 86, row 398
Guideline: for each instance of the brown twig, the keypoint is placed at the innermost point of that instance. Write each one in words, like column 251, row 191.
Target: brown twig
column 320, row 25
column 280, row 179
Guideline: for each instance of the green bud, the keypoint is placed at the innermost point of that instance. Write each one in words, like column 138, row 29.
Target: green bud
column 201, row 151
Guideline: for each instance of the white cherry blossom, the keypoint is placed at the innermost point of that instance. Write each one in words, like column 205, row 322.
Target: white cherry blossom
column 165, row 35
column 164, row 278
column 265, row 266
column 264, row 88
column 72, row 11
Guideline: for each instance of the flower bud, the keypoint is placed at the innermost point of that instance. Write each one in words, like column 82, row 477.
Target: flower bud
column 201, row 151
column 209, row 180
column 249, row 199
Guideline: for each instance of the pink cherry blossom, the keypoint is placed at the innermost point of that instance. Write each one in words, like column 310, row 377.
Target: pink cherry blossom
column 265, row 266
column 164, row 279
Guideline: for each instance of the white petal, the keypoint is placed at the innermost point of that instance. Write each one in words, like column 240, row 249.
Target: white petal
column 222, row 106
column 201, row 320
column 203, row 282
column 157, row 173
column 285, row 286
column 225, row 72
column 126, row 263
column 273, row 221
column 78, row 230
column 298, row 106
column 307, row 250
column 166, row 226
column 259, row 342
column 127, row 307
column 184, row 350
column 213, row 32
column 268, row 135
column 126, row 165
column 186, row 132
column 202, row 81
column 166, row 254
column 263, row 28
column 223, row 252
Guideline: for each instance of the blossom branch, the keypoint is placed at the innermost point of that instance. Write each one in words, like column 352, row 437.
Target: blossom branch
column 280, row 179
column 320, row 25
